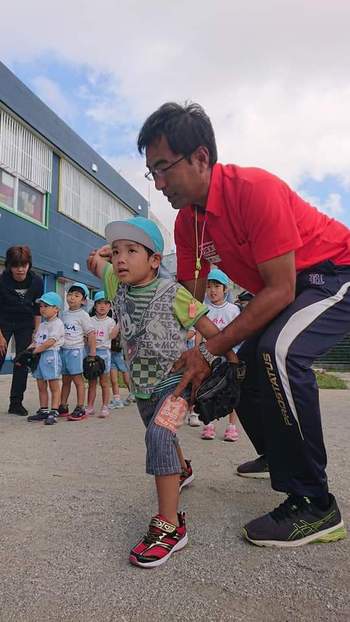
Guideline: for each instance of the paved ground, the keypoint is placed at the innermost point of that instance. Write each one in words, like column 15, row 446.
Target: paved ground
column 75, row 498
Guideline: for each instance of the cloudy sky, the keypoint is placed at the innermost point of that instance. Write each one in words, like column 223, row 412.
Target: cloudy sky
column 274, row 77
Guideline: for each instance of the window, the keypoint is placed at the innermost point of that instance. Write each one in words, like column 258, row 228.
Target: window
column 7, row 189
column 22, row 198
column 86, row 202
column 31, row 202
column 23, row 154
column 25, row 170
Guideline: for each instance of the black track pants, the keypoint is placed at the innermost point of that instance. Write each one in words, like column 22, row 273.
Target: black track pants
column 279, row 408
column 23, row 338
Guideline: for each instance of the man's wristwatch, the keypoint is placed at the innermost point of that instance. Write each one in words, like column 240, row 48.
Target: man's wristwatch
column 210, row 358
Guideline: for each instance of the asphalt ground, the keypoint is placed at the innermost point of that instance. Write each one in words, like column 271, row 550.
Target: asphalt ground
column 74, row 499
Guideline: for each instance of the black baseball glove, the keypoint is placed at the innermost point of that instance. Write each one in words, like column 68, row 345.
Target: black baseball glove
column 27, row 358
column 93, row 367
column 219, row 394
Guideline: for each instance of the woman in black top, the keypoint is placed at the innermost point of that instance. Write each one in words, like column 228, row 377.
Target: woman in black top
column 19, row 315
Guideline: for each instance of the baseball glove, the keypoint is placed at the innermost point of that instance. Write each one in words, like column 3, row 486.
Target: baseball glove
column 93, row 367
column 219, row 394
column 27, row 358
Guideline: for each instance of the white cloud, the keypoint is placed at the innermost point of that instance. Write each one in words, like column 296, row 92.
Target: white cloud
column 273, row 76
column 51, row 93
column 331, row 205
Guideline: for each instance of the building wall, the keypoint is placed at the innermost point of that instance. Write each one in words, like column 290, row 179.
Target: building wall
column 57, row 248
column 20, row 100
column 168, row 236
column 63, row 245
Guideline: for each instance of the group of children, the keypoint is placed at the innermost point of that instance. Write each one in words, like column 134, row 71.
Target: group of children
column 63, row 344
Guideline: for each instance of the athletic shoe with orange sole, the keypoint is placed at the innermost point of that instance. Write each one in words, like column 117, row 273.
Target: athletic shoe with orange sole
column 78, row 414
column 162, row 540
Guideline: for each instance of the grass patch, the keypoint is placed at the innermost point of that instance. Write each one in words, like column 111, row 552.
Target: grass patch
column 329, row 381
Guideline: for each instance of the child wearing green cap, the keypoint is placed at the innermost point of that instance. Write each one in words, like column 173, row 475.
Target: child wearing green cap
column 47, row 341
column 154, row 315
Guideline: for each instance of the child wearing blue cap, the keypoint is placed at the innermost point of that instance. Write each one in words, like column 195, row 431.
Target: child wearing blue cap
column 105, row 330
column 221, row 312
column 78, row 328
column 154, row 315
column 47, row 341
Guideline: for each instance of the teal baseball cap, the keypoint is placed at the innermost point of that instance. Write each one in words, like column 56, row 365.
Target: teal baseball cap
column 81, row 286
column 52, row 299
column 218, row 275
column 100, row 296
column 137, row 229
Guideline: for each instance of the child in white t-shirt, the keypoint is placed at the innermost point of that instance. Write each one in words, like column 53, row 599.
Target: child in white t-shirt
column 105, row 330
column 47, row 341
column 221, row 313
column 78, row 330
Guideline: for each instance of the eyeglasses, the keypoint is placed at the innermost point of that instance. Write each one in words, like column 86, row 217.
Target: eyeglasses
column 160, row 172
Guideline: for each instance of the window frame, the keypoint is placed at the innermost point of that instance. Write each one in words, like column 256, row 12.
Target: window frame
column 64, row 161
column 46, row 199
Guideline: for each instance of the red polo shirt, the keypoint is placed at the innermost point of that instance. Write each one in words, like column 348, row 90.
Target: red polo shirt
column 251, row 217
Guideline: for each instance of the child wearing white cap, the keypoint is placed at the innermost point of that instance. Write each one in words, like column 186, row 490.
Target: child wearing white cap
column 105, row 330
column 47, row 342
column 221, row 312
column 154, row 315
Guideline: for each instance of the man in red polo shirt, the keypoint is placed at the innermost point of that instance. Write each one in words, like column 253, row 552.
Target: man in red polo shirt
column 296, row 261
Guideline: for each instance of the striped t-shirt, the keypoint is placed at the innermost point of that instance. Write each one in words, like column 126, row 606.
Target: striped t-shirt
column 138, row 299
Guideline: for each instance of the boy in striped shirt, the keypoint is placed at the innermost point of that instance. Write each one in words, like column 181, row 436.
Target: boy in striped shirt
column 154, row 315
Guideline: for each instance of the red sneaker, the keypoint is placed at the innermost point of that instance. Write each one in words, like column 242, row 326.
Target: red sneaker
column 161, row 541
column 78, row 414
column 63, row 411
column 187, row 476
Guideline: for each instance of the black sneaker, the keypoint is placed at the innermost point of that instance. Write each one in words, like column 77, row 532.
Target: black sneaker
column 186, row 477
column 51, row 417
column 63, row 410
column 257, row 468
column 295, row 522
column 40, row 415
column 17, row 409
column 78, row 414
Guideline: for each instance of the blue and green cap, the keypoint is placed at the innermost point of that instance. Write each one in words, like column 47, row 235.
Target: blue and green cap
column 218, row 275
column 81, row 286
column 52, row 299
column 100, row 296
column 137, row 229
